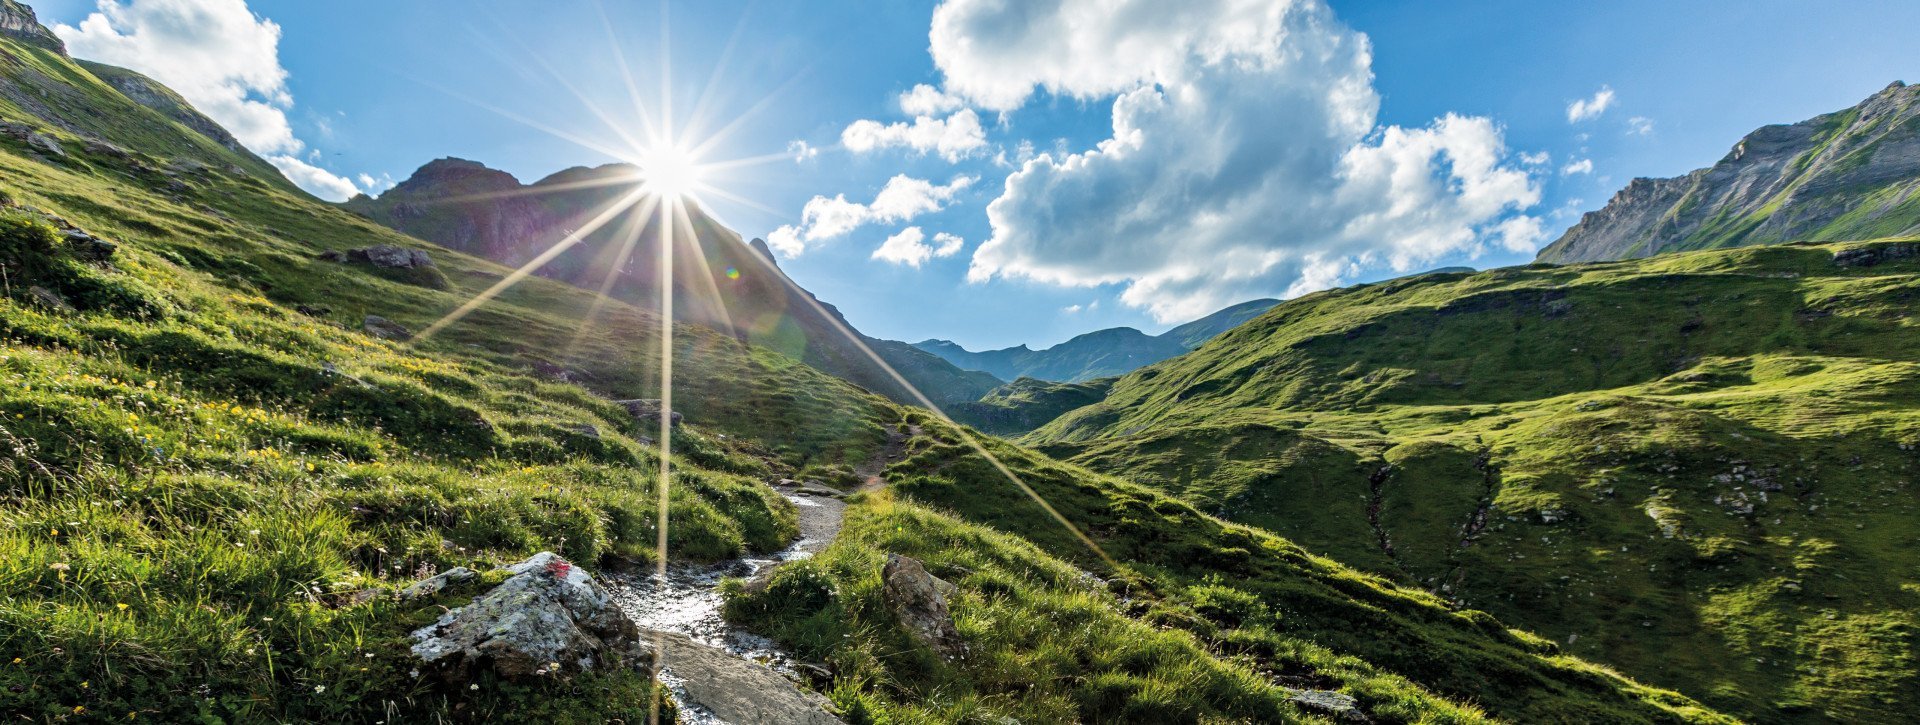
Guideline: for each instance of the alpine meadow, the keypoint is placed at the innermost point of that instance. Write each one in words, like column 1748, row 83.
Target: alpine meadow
column 1267, row 373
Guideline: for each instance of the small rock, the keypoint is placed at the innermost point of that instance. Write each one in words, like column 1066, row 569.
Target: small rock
column 647, row 409
column 919, row 599
column 88, row 247
column 385, row 329
column 548, row 613
column 313, row 310
column 433, row 585
column 585, row 430
column 817, row 675
column 1327, row 702
column 382, row 255
column 50, row 299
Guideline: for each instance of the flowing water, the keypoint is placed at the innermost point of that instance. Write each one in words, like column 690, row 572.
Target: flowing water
column 687, row 601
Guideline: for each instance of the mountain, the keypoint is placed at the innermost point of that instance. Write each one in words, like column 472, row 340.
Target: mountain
column 227, row 466
column 1699, row 467
column 1851, row 174
column 1097, row 354
column 730, row 284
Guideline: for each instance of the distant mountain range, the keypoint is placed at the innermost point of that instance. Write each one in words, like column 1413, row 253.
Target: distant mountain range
column 1851, row 174
column 1098, row 354
column 731, row 285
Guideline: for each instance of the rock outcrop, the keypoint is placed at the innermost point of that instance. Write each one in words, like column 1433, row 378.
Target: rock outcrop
column 647, row 410
column 383, row 255
column 1851, row 174
column 919, row 599
column 385, row 329
column 549, row 618
column 18, row 22
column 735, row 690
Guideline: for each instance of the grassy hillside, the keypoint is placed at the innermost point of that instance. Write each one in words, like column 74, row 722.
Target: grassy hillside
column 1027, row 403
column 212, row 481
column 1698, row 468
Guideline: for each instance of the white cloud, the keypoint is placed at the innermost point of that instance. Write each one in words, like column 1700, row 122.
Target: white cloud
column 901, row 200
column 802, row 151
column 1072, row 309
column 1583, row 166
column 1587, row 108
column 955, row 137
column 1639, row 126
column 909, row 247
column 222, row 58
column 925, row 100
column 947, row 245
column 1194, row 202
column 1539, row 158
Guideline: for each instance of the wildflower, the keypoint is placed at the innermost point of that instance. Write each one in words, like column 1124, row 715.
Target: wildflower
column 474, row 686
column 17, row 660
column 79, row 709
column 317, row 689
column 122, row 606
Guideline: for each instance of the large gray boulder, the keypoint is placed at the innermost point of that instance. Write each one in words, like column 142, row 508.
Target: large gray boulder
column 549, row 618
column 919, row 599
column 733, row 689
column 383, row 255
column 385, row 329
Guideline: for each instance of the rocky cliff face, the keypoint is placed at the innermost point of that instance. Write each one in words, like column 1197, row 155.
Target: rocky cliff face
column 731, row 284
column 1845, row 175
column 18, row 22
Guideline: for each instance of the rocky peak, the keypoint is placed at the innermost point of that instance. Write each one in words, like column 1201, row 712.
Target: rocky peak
column 17, row 21
column 1850, row 174
column 450, row 176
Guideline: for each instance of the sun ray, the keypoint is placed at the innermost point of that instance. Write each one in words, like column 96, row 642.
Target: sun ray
column 532, row 266
column 720, row 135
column 626, row 73
column 530, row 123
column 723, row 194
column 634, row 180
column 704, row 280
column 618, row 128
column 630, row 239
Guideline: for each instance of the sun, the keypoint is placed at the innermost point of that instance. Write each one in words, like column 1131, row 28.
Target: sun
column 670, row 171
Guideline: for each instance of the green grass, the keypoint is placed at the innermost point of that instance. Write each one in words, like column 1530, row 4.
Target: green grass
column 1633, row 459
column 210, row 480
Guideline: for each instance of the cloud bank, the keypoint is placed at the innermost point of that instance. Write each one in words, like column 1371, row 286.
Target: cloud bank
column 901, row 200
column 219, row 56
column 1245, row 159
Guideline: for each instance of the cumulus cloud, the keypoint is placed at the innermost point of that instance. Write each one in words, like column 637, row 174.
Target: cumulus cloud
column 1583, row 166
column 955, row 137
column 1244, row 160
column 901, row 200
column 1538, row 158
column 909, row 247
column 219, row 56
column 925, row 100
column 1639, row 126
column 802, row 151
column 1586, row 108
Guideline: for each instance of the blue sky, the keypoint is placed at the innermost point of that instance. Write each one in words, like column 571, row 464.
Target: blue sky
column 1279, row 147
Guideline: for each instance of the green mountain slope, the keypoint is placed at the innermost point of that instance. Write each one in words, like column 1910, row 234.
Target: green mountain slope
column 1851, row 174
column 214, row 479
column 1097, row 354
column 1698, row 468
column 729, row 284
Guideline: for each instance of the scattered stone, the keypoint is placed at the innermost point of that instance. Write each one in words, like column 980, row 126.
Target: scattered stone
column 50, row 299
column 1327, row 702
column 585, row 430
column 820, row 676
column 313, row 310
column 435, row 584
column 548, row 618
column 33, row 138
column 558, row 373
column 919, row 599
column 385, row 329
column 647, row 409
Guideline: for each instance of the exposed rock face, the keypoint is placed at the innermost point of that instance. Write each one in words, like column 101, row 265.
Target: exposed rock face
column 549, row 618
column 1340, row 706
column 40, row 142
column 919, row 599
column 1845, row 175
column 731, row 284
column 385, row 329
column 18, row 22
column 50, row 299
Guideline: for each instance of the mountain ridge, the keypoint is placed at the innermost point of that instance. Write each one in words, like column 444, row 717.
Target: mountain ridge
column 1097, row 354
column 1850, row 174
column 732, row 283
